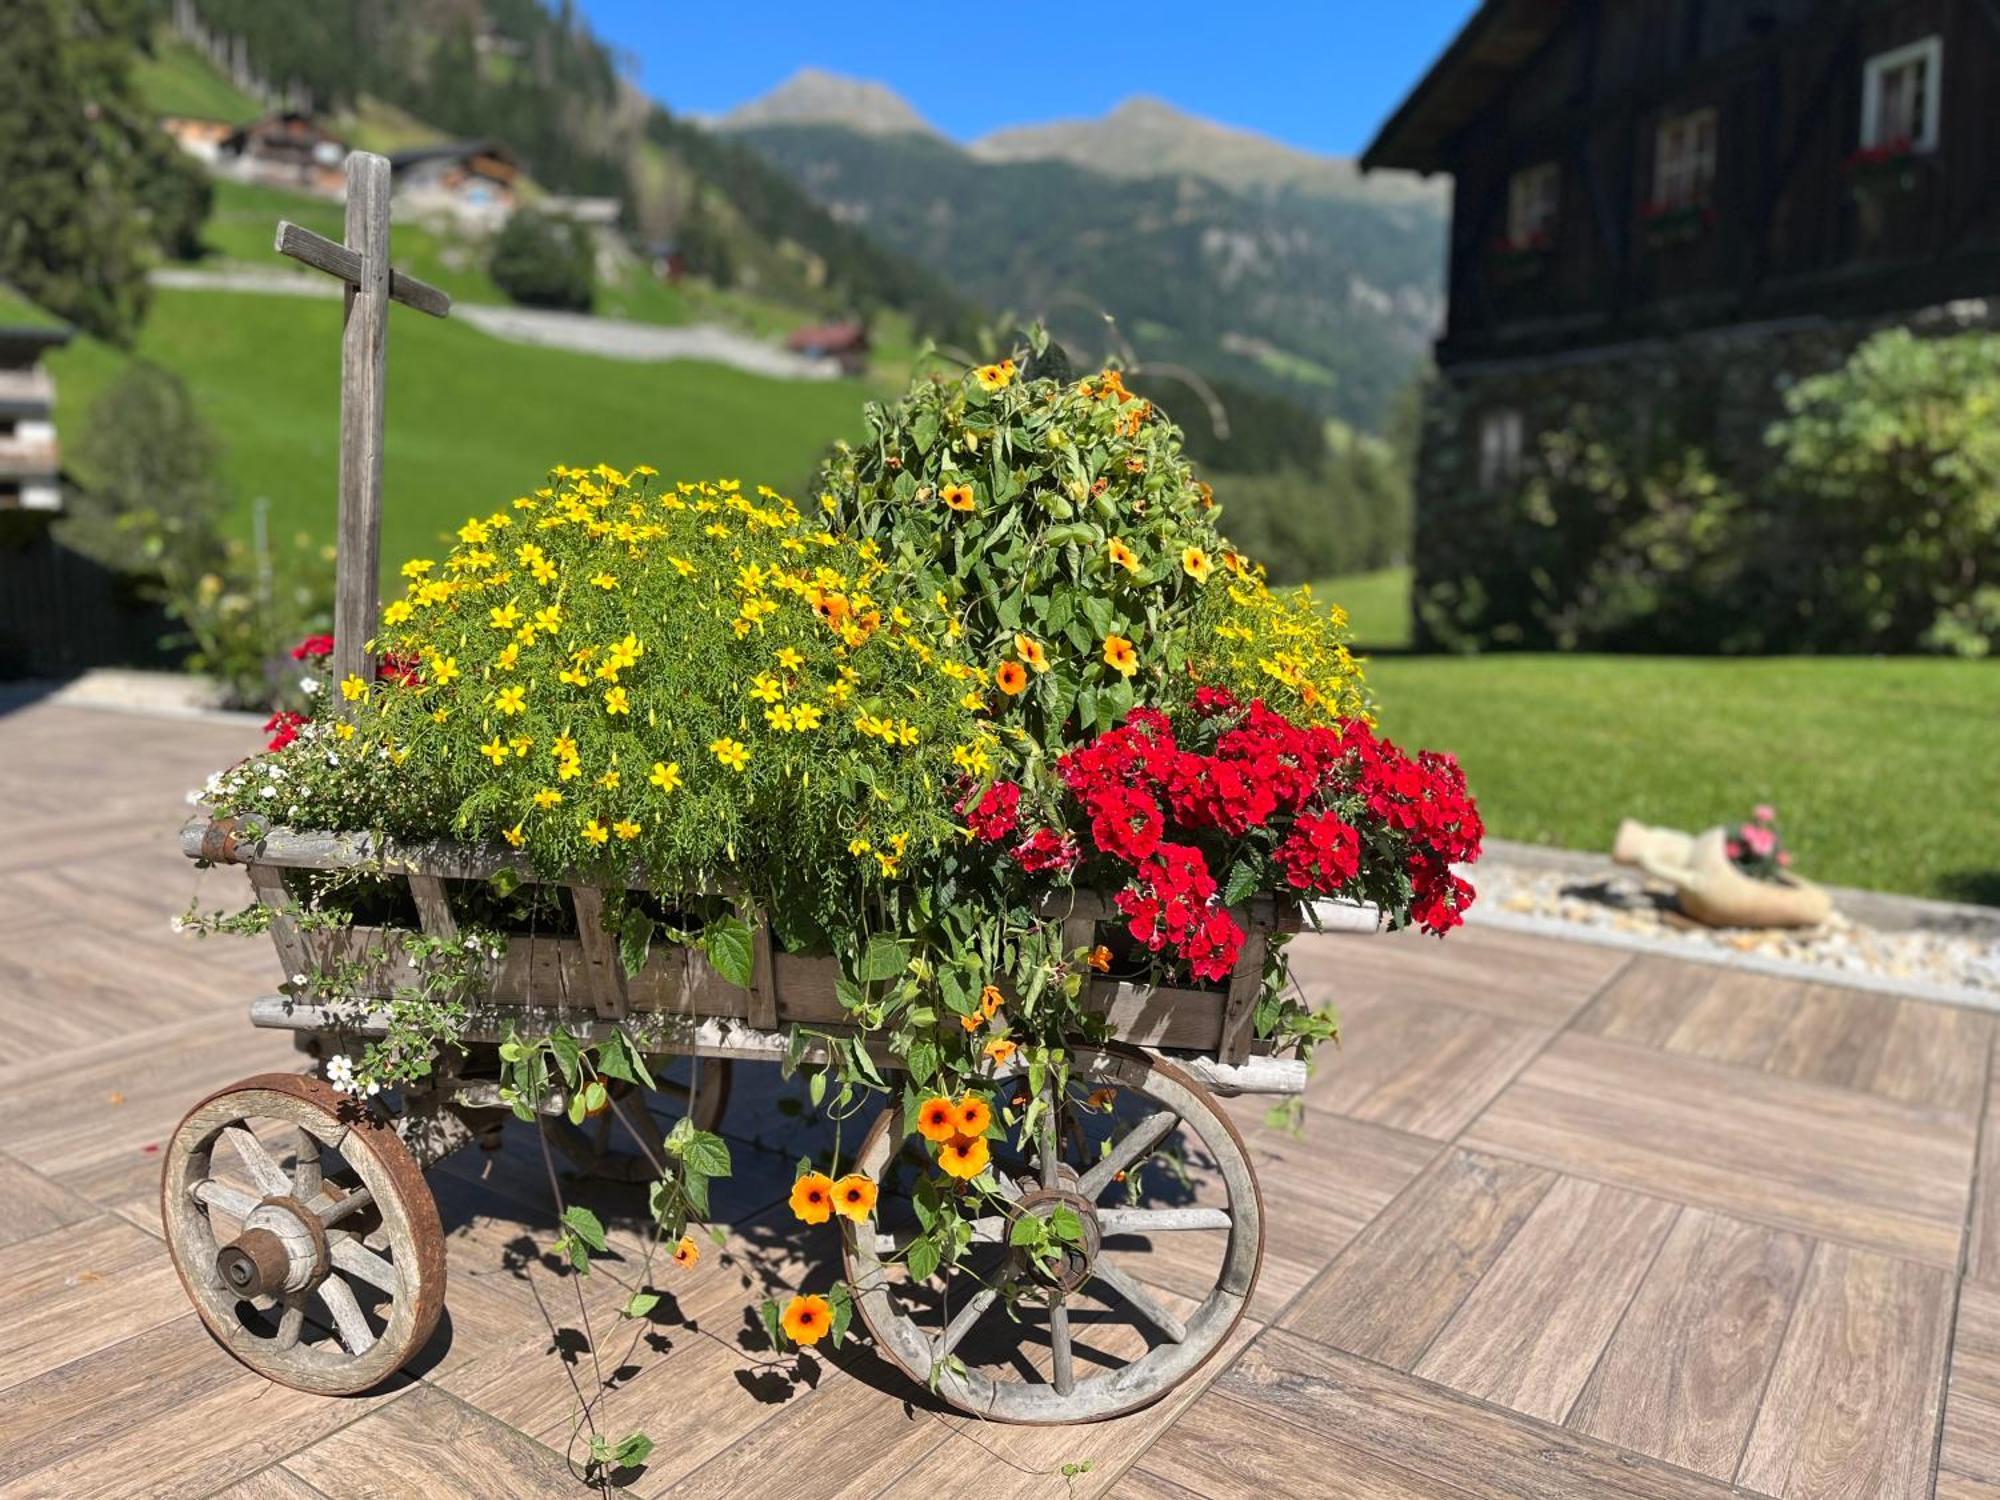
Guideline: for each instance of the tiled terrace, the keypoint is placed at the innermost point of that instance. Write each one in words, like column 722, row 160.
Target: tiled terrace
column 1562, row 1222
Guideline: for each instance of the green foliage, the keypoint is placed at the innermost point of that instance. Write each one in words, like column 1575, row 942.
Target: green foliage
column 545, row 262
column 92, row 187
column 1892, row 469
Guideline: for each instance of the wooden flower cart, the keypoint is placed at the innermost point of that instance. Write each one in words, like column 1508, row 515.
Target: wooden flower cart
column 298, row 1216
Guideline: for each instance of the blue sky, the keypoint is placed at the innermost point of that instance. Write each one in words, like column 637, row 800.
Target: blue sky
column 1317, row 75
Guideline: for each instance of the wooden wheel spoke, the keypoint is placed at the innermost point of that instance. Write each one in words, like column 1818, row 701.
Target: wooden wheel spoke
column 1140, row 1299
column 1127, row 1150
column 269, row 1176
column 988, row 1230
column 1160, row 1220
column 961, row 1323
column 307, row 1176
column 232, row 1201
column 292, row 1320
column 341, row 1208
column 348, row 1319
column 351, row 1256
column 1061, row 1348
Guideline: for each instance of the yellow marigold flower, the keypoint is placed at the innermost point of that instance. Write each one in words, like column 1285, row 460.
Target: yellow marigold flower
column 542, row 571
column 604, row 581
column 906, row 733
column 398, row 612
column 596, row 833
column 766, row 688
column 522, row 744
column 344, row 731
column 964, row 1157
column 353, row 688
column 806, row 716
column 506, row 617
column 1195, row 563
column 937, row 1119
column 666, row 775
column 495, row 750
column 547, row 797
column 995, row 377
column 417, row 567
column 1119, row 655
column 957, row 496
column 514, row 836
column 889, row 863
column 858, row 845
column 627, row 652
column 806, row 1320
column 1122, row 555
column 812, row 1198
column 973, row 702
column 715, row 528
column 609, row 780
column 626, row 829
column 568, row 768
column 778, row 716
column 790, row 659
column 444, row 669
column 509, row 658
column 682, row 566
column 732, row 753
column 472, row 533
column 511, row 700
column 615, row 702
column 573, row 677
column 1032, row 652
column 854, row 1197
column 439, row 715
column 548, row 620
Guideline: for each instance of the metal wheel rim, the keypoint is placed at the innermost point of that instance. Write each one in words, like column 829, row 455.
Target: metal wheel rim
column 1163, row 1367
column 409, row 1220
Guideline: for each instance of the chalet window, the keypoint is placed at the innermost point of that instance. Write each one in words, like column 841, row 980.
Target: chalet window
column 1684, row 160
column 1899, row 96
column 1499, row 448
column 1531, row 205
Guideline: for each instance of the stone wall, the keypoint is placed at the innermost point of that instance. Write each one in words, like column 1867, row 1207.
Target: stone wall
column 1495, row 561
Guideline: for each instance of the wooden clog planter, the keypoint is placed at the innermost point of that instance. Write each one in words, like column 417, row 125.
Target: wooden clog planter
column 313, row 1249
column 298, row 1216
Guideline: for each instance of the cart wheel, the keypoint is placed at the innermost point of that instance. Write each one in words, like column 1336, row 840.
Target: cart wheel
column 1156, row 1283
column 624, row 1143
column 308, row 1242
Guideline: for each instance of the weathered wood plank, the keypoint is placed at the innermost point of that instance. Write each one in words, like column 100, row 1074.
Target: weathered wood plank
column 604, row 974
column 763, row 1006
column 294, row 952
column 433, row 907
column 364, row 370
column 1971, row 1448
column 1395, row 1287
column 1852, row 1407
column 432, row 1444
column 1531, row 1329
column 1682, row 1378
column 1246, row 984
column 323, row 254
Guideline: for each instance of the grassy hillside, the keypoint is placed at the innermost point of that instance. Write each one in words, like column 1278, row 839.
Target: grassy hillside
column 472, row 421
column 174, row 79
column 1873, row 764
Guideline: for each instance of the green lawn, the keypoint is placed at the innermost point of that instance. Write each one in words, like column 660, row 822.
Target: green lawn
column 177, row 80
column 1377, row 604
column 472, row 421
column 1884, row 771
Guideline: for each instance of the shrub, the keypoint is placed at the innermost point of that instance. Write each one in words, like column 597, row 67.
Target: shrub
column 1891, row 465
column 545, row 262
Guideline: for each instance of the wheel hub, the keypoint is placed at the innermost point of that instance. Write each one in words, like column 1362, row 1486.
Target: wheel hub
column 1070, row 1267
column 283, row 1248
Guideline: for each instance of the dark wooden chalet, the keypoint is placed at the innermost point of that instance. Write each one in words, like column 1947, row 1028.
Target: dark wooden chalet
column 1627, row 168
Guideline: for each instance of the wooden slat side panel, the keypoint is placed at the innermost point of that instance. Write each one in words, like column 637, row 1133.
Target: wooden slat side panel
column 293, row 951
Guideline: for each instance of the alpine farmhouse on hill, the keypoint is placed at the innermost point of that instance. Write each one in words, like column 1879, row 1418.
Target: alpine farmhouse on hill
column 1665, row 212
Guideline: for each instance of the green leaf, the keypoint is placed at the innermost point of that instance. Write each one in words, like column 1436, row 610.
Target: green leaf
column 505, row 881
column 707, row 1153
column 1028, row 1231
column 585, row 1225
column 569, row 1055
column 695, row 1186
column 640, row 1304
column 921, row 1058
column 924, row 431
column 632, row 1450
column 816, row 1087
column 576, row 1111
column 635, row 937
column 594, row 1097
column 842, row 1301
column 884, row 958
column 923, row 1258
column 1241, row 884
column 774, row 1330
column 1065, row 1225
column 727, row 942
column 1098, row 611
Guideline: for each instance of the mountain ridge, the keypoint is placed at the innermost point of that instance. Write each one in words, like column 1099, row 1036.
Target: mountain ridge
column 814, row 96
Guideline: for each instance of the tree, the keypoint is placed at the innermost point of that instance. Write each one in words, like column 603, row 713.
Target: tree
column 144, row 452
column 545, row 262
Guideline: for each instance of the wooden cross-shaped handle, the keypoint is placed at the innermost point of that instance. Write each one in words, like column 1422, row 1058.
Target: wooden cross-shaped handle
column 372, row 284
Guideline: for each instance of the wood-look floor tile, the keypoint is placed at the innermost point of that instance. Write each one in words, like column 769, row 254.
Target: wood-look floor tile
column 1682, row 1377
column 1419, row 1065
column 274, row 1483
column 78, row 1289
column 1852, row 1407
column 1399, row 1282
column 31, row 1205
column 1972, row 1404
column 434, row 1445
column 1530, row 1331
column 1505, row 974
column 1822, row 1160
column 1447, row 1441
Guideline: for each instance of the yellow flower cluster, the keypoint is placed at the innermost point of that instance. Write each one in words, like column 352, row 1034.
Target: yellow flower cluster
column 1294, row 650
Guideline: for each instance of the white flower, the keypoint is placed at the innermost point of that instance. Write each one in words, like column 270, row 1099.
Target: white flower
column 299, row 981
column 193, row 798
column 340, row 1073
column 269, row 791
column 178, row 924
column 308, row 684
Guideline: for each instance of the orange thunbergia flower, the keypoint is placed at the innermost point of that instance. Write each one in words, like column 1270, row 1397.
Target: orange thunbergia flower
column 972, row 1022
column 964, row 1157
column 854, row 1196
column 957, row 496
column 937, row 1120
column 1119, row 655
column 974, row 1115
column 687, row 1252
column 1100, row 959
column 812, row 1198
column 807, row 1319
column 1102, row 1099
column 1011, row 678
column 990, row 1001
column 1000, row 1050
column 1032, row 652
column 1195, row 563
column 1122, row 555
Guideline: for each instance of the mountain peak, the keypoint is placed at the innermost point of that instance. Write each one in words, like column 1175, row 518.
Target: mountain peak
column 813, row 96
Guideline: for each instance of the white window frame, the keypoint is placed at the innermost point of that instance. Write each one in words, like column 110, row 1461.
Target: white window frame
column 1929, row 52
column 1534, row 203
column 1500, row 444
column 1684, row 158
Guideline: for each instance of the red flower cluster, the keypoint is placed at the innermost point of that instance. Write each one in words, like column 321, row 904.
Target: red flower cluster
column 283, row 727
column 995, row 815
column 401, row 670
column 1045, row 850
column 313, row 648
